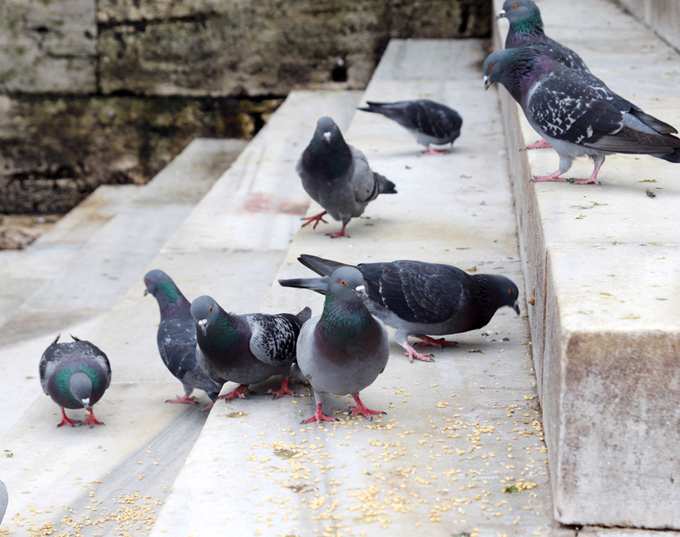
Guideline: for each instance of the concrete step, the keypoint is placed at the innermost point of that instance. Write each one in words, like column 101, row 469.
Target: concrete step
column 79, row 275
column 602, row 264
column 111, row 480
column 459, row 430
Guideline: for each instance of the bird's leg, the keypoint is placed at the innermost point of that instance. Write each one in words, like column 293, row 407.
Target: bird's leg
column 553, row 177
column 239, row 393
column 65, row 420
column 540, row 144
column 434, row 151
column 440, row 342
column 402, row 339
column 182, row 400
column 341, row 233
column 283, row 390
column 592, row 180
column 91, row 419
column 316, row 219
column 318, row 416
column 361, row 410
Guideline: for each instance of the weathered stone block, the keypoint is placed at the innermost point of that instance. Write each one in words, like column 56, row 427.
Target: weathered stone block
column 663, row 16
column 48, row 46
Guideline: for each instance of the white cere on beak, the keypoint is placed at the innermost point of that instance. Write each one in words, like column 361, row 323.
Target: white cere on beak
column 361, row 288
column 501, row 14
column 327, row 136
column 486, row 82
column 203, row 324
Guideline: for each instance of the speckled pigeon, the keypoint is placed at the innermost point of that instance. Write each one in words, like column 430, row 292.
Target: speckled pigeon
column 430, row 122
column 337, row 176
column 176, row 338
column 343, row 350
column 247, row 349
column 4, row 499
column 420, row 299
column 578, row 116
column 75, row 375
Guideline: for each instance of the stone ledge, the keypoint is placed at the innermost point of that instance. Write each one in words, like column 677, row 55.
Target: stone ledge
column 601, row 266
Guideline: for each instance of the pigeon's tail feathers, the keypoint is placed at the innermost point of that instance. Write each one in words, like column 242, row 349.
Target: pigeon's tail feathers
column 385, row 186
column 390, row 110
column 74, row 338
column 323, row 267
column 56, row 340
column 304, row 283
column 673, row 156
column 654, row 123
column 304, row 315
column 374, row 107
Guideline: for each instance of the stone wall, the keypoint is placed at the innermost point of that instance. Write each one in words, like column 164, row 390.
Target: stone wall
column 107, row 91
column 663, row 16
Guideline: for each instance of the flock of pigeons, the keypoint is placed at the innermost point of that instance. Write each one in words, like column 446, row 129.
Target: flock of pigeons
column 343, row 350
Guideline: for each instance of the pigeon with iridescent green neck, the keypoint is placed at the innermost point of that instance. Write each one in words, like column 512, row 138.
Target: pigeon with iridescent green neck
column 343, row 350
column 246, row 349
column 75, row 375
column 176, row 338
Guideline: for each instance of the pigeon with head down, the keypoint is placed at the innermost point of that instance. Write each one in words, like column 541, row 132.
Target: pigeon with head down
column 337, row 176
column 576, row 113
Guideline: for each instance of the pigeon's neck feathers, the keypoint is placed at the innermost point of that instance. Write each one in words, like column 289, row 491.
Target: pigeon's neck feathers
column 528, row 26
column 527, row 70
column 343, row 320
column 224, row 333
column 488, row 297
column 171, row 300
column 68, row 377
column 327, row 160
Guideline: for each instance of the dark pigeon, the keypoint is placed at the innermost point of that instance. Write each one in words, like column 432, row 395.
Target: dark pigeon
column 176, row 338
column 421, row 299
column 337, row 176
column 4, row 499
column 430, row 122
column 247, row 349
column 576, row 113
column 343, row 350
column 75, row 375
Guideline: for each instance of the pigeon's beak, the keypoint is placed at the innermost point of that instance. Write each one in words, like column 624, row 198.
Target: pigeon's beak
column 487, row 82
column 361, row 291
column 515, row 307
column 85, row 402
column 327, row 136
column 501, row 14
column 146, row 292
column 203, row 325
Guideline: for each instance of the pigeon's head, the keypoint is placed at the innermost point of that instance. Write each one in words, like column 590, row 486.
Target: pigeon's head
column 327, row 131
column 514, row 68
column 501, row 291
column 347, row 282
column 523, row 15
column 81, row 388
column 205, row 311
column 155, row 280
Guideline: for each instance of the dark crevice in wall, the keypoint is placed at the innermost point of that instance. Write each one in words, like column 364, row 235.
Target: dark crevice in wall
column 141, row 24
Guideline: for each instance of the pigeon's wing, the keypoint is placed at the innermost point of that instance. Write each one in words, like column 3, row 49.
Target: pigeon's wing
column 562, row 54
column 273, row 337
column 434, row 119
column 416, row 292
column 48, row 362
column 364, row 181
column 99, row 356
column 177, row 346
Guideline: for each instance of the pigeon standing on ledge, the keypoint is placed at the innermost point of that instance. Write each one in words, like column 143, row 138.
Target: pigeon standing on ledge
column 344, row 350
column 430, row 122
column 75, row 375
column 422, row 299
column 176, row 338
column 247, row 349
column 575, row 113
column 337, row 176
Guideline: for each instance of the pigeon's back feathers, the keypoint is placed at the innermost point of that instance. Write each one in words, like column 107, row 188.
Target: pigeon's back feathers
column 273, row 337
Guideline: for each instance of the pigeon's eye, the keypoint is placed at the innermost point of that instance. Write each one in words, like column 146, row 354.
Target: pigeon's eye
column 510, row 291
column 515, row 5
column 210, row 309
column 343, row 283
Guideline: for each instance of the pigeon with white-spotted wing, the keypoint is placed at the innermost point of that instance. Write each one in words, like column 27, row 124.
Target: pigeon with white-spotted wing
column 424, row 299
column 430, row 122
column 75, row 375
column 577, row 115
column 176, row 338
column 337, row 176
column 246, row 349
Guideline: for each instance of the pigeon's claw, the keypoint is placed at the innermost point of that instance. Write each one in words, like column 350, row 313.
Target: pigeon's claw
column 362, row 410
column 283, row 390
column 315, row 219
column 341, row 233
column 413, row 354
column 435, row 151
column 318, row 416
column 540, row 144
column 440, row 343
column 65, row 420
column 238, row 393
column 91, row 419
column 182, row 400
column 555, row 177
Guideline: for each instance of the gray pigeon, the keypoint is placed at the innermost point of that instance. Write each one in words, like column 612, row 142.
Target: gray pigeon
column 4, row 499
column 176, row 338
column 75, row 375
column 430, row 122
column 337, row 176
column 575, row 113
column 247, row 349
column 344, row 350
column 420, row 299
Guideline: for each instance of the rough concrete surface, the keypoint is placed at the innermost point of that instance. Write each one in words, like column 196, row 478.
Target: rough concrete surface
column 601, row 266
column 662, row 16
column 460, row 451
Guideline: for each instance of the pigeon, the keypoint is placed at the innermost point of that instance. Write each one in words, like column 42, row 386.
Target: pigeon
column 337, row 176
column 576, row 113
column 176, row 338
column 421, row 299
column 430, row 122
column 3, row 500
column 247, row 349
column 343, row 350
column 75, row 375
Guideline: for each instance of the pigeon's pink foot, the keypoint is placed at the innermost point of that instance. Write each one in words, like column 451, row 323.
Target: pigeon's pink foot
column 65, row 420
column 318, row 416
column 440, row 343
column 238, row 393
column 362, row 410
column 91, row 419
column 588, row 181
column 435, row 151
column 415, row 355
column 283, row 390
column 182, row 400
column 341, row 233
column 553, row 177
column 541, row 144
column 315, row 219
